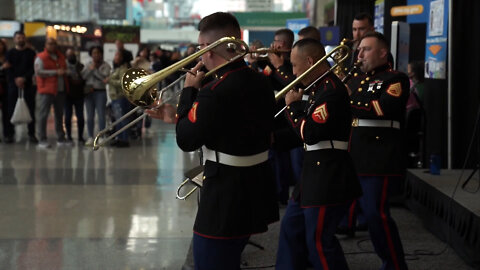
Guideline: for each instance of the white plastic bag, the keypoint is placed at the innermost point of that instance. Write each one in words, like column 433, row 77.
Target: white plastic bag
column 21, row 114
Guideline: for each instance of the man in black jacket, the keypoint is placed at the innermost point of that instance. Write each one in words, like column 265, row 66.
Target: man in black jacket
column 378, row 102
column 231, row 119
column 329, row 182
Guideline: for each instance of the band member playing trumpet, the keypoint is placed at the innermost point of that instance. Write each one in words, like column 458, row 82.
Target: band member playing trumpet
column 328, row 183
column 231, row 118
column 378, row 104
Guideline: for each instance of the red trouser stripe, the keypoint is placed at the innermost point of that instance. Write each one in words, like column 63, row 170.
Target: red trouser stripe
column 385, row 223
column 318, row 237
column 351, row 212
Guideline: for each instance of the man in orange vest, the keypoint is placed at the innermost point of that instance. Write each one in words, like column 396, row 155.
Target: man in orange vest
column 52, row 84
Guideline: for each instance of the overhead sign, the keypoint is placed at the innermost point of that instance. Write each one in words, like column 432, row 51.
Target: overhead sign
column 259, row 5
column 265, row 19
column 406, row 10
column 112, row 9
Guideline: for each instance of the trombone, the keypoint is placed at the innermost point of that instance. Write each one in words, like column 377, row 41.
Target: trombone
column 263, row 52
column 339, row 54
column 96, row 142
column 140, row 89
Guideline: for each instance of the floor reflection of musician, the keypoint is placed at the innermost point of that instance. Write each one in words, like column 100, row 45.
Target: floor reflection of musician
column 231, row 118
column 328, row 183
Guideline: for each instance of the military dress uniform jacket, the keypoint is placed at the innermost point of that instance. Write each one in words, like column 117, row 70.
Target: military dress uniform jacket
column 377, row 146
column 231, row 115
column 328, row 175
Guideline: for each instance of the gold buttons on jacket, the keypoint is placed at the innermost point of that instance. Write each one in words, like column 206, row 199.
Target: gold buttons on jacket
column 362, row 82
column 360, row 89
column 204, row 177
column 291, row 113
column 367, row 79
column 351, row 101
column 288, row 107
column 318, row 163
column 377, row 137
column 355, row 75
column 366, row 104
column 296, row 120
column 359, row 103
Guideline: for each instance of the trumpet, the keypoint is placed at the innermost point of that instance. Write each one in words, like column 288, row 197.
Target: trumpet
column 263, row 52
column 140, row 88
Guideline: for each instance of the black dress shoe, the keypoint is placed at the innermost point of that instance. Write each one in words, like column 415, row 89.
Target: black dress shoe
column 349, row 232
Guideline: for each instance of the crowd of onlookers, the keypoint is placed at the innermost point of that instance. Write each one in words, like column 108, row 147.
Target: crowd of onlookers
column 56, row 78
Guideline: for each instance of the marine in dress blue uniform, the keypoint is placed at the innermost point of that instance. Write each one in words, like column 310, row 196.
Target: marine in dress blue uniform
column 286, row 159
column 231, row 118
column 328, row 183
column 378, row 102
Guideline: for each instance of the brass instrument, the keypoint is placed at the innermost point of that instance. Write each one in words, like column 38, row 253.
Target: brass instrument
column 263, row 52
column 193, row 176
column 339, row 54
column 341, row 70
column 140, row 89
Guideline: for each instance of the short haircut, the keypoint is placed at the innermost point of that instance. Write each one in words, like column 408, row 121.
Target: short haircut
column 362, row 16
column 380, row 38
column 310, row 32
column 224, row 23
column 310, row 47
column 90, row 51
column 287, row 35
column 18, row 33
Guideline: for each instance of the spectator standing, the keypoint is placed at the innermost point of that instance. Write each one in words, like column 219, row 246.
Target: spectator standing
column 74, row 96
column 95, row 74
column 127, row 55
column 50, row 71
column 20, row 61
column 120, row 104
column 3, row 81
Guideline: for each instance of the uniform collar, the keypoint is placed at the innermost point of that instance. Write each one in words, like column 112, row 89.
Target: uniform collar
column 229, row 67
column 379, row 69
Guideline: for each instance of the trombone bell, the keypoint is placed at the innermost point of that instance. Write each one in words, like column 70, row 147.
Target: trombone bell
column 132, row 81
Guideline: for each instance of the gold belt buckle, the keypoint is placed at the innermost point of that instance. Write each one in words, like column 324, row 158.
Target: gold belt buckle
column 355, row 122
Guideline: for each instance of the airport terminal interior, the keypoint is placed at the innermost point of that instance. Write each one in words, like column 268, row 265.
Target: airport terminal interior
column 75, row 197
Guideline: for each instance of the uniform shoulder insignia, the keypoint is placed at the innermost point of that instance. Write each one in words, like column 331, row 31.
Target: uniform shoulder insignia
column 267, row 71
column 192, row 114
column 395, row 90
column 320, row 114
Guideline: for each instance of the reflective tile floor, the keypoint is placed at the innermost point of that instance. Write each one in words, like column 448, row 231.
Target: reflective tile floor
column 69, row 208
column 72, row 208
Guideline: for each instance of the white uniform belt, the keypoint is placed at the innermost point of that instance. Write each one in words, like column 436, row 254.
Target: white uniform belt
column 375, row 123
column 331, row 144
column 237, row 161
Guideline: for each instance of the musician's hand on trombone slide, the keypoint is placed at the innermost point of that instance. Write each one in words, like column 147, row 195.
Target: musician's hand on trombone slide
column 163, row 111
column 293, row 95
column 195, row 76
